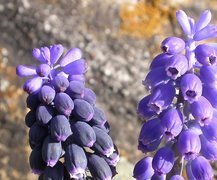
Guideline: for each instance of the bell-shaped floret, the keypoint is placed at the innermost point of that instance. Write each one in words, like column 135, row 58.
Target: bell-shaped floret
column 208, row 75
column 43, row 70
column 113, row 159
column 60, row 83
column 56, row 172
column 51, row 151
column 83, row 134
column 172, row 45
column 160, row 61
column 75, row 89
column 47, row 94
column 30, row 118
column 33, row 85
column 89, row 96
column 77, row 77
column 99, row 118
column 210, row 130
column 60, row 128
column 32, row 101
column 37, row 134
column 63, row 104
column 143, row 169
column 76, row 67
column 44, row 114
column 75, row 161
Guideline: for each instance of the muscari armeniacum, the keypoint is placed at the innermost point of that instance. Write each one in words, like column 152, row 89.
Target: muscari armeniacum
column 69, row 134
column 180, row 109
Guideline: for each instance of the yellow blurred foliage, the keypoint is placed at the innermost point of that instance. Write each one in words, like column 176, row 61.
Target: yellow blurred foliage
column 144, row 19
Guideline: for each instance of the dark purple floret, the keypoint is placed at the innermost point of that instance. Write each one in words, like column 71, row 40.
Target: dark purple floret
column 33, row 85
column 83, row 110
column 60, row 128
column 208, row 75
column 44, row 114
column 89, row 96
column 51, row 151
column 75, row 161
column 63, row 104
column 76, row 89
column 61, row 83
column 99, row 168
column 99, row 118
column 160, row 61
column 56, row 172
column 43, row 70
column 76, row 67
column 32, row 101
column 83, row 134
column 36, row 162
column 209, row 131
column 30, row 118
column 77, row 77
column 47, row 94
column 172, row 45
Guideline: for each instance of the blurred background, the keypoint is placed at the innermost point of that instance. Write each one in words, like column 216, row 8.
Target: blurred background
column 119, row 38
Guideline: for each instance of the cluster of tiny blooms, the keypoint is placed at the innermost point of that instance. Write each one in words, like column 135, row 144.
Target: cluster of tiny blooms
column 181, row 108
column 68, row 134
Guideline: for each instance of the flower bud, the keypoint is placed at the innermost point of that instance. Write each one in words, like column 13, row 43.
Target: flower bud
column 189, row 144
column 45, row 54
column 44, row 114
column 99, row 118
column 32, row 101
column 183, row 21
column 72, row 55
column 60, row 128
column 43, row 70
column 160, row 61
column 158, row 177
column 210, row 130
column 202, row 111
column 104, row 144
column 77, row 77
column 206, row 55
column 89, row 96
column 76, row 89
column 63, row 104
column 75, row 161
column 36, row 162
column 172, row 45
column 25, row 71
column 191, row 87
column 83, row 134
column 143, row 169
column 208, row 75
column 51, row 151
column 161, row 98
column 177, row 177
column 98, row 167
column 204, row 20
column 33, row 85
column 152, row 146
column 163, row 161
column 176, row 66
column 207, row 32
column 30, row 118
column 201, row 169
column 155, row 77
column 189, row 171
column 56, row 51
column 56, row 172
column 83, row 110
column 171, row 123
column 113, row 159
column 37, row 134
column 151, row 132
column 76, row 67
column 47, row 94
column 61, row 83
column 208, row 149
column 143, row 110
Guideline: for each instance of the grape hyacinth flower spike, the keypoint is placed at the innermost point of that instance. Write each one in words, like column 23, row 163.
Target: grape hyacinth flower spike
column 68, row 132
column 180, row 109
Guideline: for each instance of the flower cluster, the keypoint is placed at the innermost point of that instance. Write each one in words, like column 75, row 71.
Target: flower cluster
column 69, row 134
column 181, row 108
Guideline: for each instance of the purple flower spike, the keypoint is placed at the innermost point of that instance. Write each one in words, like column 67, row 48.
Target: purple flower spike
column 83, row 110
column 75, row 161
column 202, row 111
column 56, row 172
column 191, row 87
column 161, row 98
column 33, row 85
column 160, row 61
column 163, row 161
column 207, row 32
column 177, row 177
column 210, row 93
column 155, row 77
column 171, row 123
column 172, row 45
column 99, row 168
column 72, row 55
column 208, row 149
column 206, row 54
column 51, row 151
column 43, row 70
column 61, row 83
column 151, row 132
column 201, row 169
column 104, row 144
column 36, row 162
column 60, row 128
column 25, row 71
column 183, row 22
column 189, row 144
column 63, row 104
column 83, row 134
column 208, row 75
column 47, row 94
column 204, row 20
column 210, row 131
column 56, row 51
column 143, row 110
column 176, row 66
column 76, row 67
column 143, row 169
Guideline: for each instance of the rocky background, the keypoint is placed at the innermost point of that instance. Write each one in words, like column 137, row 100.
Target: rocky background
column 119, row 38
